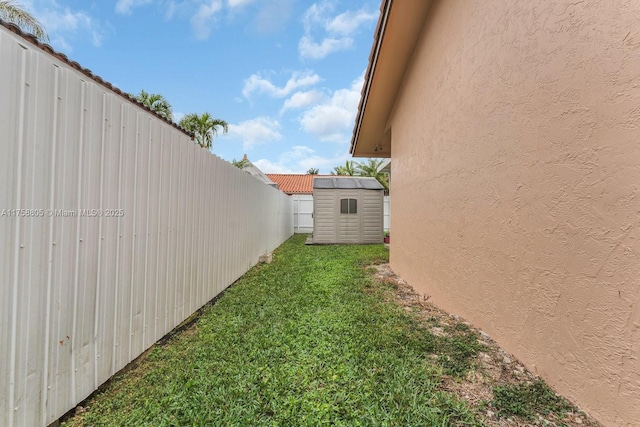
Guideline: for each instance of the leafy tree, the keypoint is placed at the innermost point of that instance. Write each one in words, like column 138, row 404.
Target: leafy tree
column 12, row 12
column 313, row 171
column 370, row 168
column 367, row 168
column 204, row 127
column 157, row 103
column 240, row 164
column 348, row 168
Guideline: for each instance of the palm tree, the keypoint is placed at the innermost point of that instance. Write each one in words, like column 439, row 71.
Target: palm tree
column 204, row 127
column 313, row 171
column 16, row 14
column 157, row 103
column 240, row 164
column 370, row 168
column 349, row 169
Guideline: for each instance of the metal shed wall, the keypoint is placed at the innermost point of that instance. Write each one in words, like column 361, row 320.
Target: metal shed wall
column 114, row 228
column 331, row 226
column 303, row 213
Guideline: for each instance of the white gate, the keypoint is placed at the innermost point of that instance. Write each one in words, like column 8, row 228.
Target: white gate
column 302, row 213
column 386, row 210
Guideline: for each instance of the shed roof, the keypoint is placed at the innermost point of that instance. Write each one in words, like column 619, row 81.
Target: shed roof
column 293, row 183
column 365, row 183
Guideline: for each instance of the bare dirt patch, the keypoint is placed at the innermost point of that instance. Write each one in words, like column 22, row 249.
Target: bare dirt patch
column 493, row 367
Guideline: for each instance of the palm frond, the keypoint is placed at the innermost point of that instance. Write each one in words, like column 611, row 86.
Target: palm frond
column 12, row 12
column 157, row 103
column 204, row 127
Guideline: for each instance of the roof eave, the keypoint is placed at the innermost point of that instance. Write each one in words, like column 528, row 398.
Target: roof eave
column 398, row 30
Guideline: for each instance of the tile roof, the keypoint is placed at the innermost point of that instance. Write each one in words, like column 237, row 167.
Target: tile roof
column 294, row 183
column 87, row 72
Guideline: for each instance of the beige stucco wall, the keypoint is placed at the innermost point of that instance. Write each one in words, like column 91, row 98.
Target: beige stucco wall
column 516, row 176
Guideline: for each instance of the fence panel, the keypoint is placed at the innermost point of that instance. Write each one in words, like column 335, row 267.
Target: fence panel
column 114, row 228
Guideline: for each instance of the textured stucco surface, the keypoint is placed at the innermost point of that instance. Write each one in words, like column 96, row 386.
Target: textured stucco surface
column 516, row 175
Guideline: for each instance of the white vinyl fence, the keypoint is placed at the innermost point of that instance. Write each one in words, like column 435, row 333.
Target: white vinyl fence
column 114, row 228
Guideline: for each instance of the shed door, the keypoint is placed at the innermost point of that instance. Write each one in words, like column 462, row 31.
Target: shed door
column 348, row 213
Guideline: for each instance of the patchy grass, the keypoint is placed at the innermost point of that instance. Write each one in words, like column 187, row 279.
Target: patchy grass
column 526, row 400
column 457, row 349
column 493, row 384
column 318, row 337
column 306, row 340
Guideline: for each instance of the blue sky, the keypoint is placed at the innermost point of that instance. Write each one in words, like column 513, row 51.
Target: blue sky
column 285, row 74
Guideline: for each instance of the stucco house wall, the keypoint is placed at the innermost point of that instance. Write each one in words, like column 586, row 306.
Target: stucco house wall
column 515, row 142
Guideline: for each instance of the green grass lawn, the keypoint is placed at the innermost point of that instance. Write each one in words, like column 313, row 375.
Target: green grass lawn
column 306, row 340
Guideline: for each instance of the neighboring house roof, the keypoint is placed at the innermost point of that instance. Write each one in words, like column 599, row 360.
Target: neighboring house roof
column 294, row 183
column 350, row 182
column 385, row 166
column 399, row 27
column 87, row 72
column 254, row 171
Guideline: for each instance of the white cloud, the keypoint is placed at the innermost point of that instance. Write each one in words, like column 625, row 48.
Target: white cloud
column 60, row 44
column 300, row 159
column 256, row 83
column 171, row 8
column 348, row 22
column 96, row 38
column 177, row 116
column 256, row 131
column 202, row 20
column 125, row 7
column 66, row 20
column 310, row 49
column 334, row 31
column 302, row 99
column 273, row 16
column 238, row 3
column 267, row 166
column 63, row 24
column 316, row 14
column 333, row 120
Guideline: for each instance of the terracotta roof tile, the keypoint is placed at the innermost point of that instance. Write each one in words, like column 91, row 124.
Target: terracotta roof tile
column 294, row 183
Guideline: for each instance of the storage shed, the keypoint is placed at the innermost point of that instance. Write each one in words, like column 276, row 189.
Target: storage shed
column 347, row 210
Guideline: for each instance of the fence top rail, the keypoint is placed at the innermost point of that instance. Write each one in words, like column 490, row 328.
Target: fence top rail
column 33, row 40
